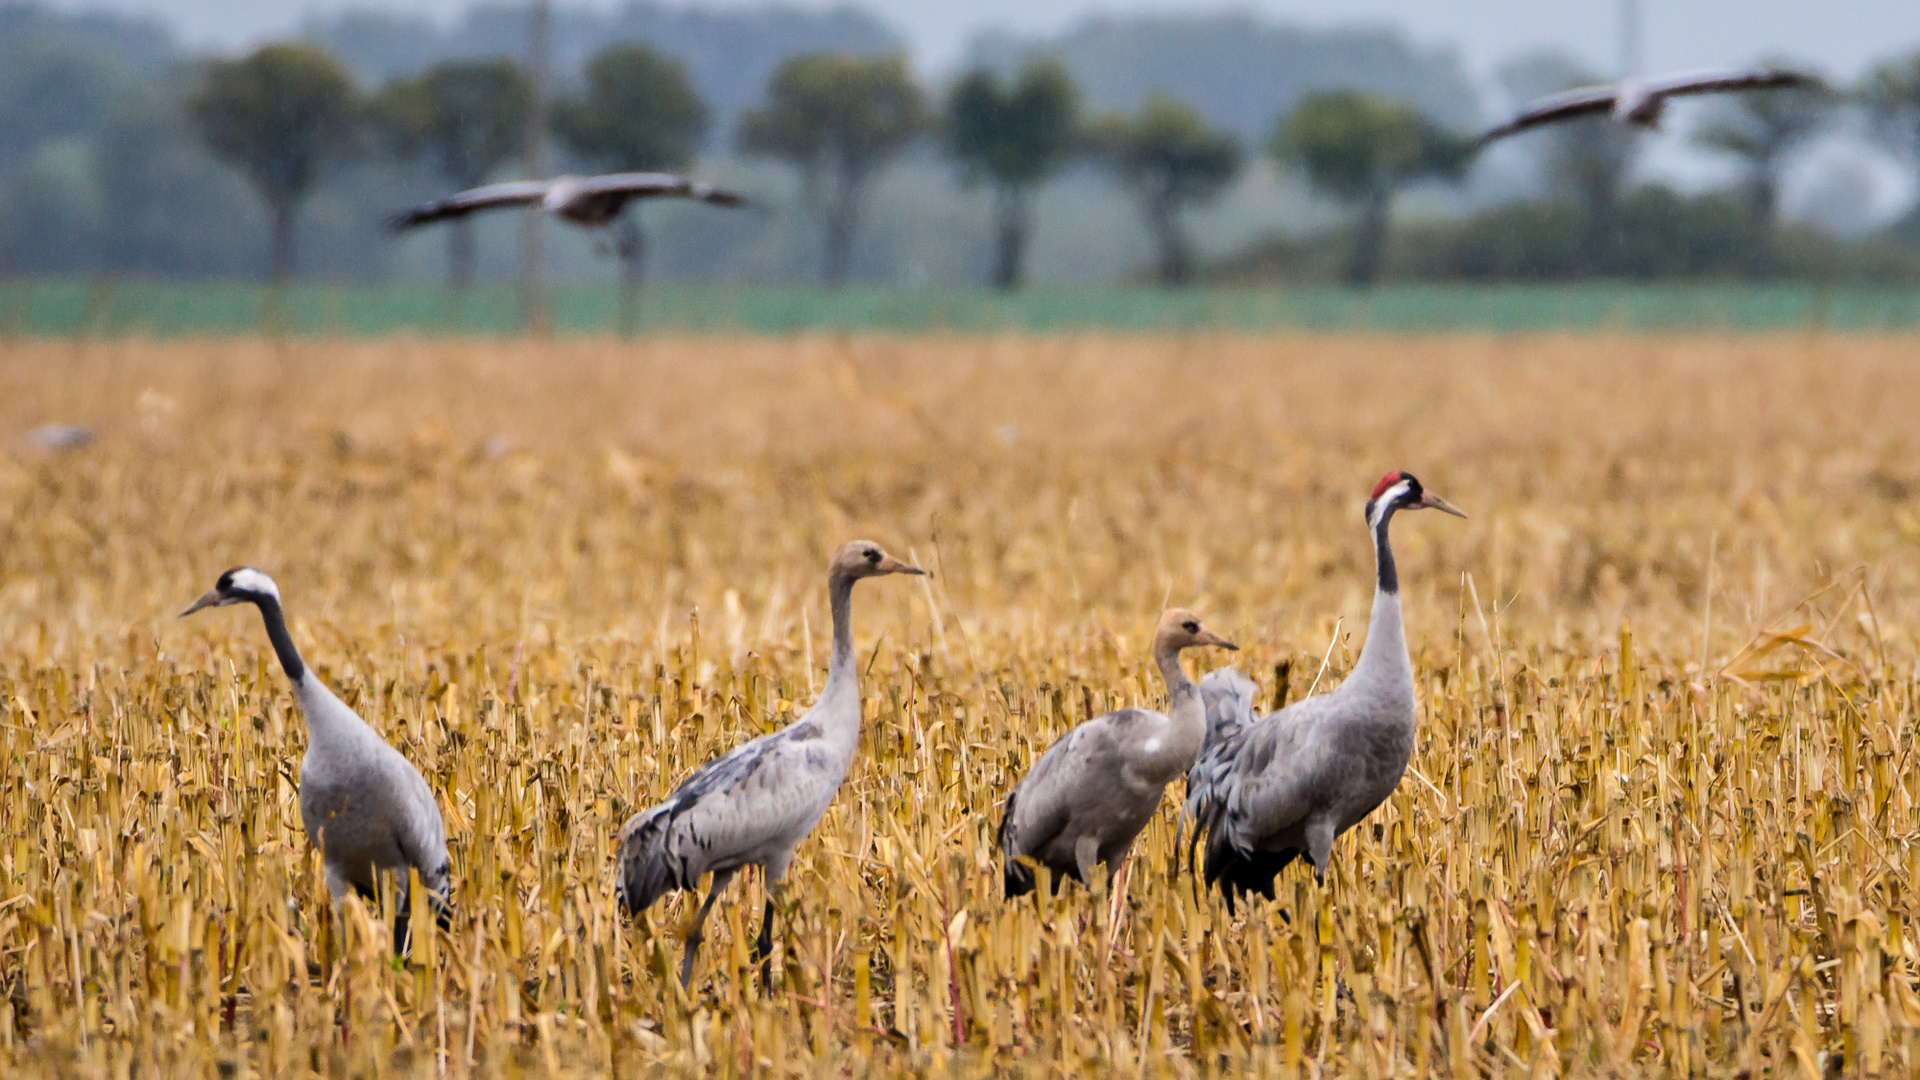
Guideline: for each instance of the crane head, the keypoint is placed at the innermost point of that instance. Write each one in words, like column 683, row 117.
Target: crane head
column 240, row 585
column 1181, row 629
column 1402, row 491
column 864, row 558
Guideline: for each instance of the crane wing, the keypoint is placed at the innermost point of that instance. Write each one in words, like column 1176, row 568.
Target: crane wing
column 1554, row 108
column 643, row 185
column 749, row 805
column 1712, row 82
column 492, row 196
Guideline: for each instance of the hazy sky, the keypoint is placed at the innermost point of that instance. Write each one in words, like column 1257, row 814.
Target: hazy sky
column 1840, row 36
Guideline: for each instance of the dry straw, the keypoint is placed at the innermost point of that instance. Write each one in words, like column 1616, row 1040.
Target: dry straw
column 560, row 577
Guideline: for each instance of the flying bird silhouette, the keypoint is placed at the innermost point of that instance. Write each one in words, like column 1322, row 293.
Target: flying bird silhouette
column 588, row 201
column 1641, row 101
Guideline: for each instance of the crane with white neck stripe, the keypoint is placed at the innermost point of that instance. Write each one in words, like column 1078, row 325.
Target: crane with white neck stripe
column 1268, row 791
column 363, row 805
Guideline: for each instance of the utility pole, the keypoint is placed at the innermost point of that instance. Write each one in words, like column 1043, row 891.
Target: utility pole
column 533, row 298
column 1629, row 39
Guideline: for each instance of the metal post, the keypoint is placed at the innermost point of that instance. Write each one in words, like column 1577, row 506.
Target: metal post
column 533, row 298
column 1629, row 38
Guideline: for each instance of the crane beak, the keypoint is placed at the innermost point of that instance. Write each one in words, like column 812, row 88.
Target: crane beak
column 1208, row 637
column 1435, row 502
column 211, row 599
column 891, row 565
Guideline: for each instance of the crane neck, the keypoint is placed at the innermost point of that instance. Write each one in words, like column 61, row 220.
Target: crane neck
column 1389, row 576
column 842, row 676
column 1385, row 653
column 1168, row 658
column 276, row 622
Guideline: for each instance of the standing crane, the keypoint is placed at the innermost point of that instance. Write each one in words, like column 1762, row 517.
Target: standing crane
column 1268, row 791
column 754, row 806
column 1098, row 785
column 363, row 805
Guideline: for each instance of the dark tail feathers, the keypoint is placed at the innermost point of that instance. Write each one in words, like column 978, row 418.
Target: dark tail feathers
column 1239, row 872
column 646, row 874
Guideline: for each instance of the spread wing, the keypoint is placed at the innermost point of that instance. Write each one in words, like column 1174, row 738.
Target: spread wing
column 655, row 185
column 1583, row 101
column 492, row 196
column 1713, row 82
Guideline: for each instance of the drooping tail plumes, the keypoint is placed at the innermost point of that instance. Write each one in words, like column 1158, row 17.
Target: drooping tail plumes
column 646, row 869
column 1229, row 700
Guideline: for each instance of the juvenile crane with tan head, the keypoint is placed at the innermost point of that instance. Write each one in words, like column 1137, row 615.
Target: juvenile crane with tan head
column 1268, row 791
column 1097, row 786
column 754, row 806
column 363, row 805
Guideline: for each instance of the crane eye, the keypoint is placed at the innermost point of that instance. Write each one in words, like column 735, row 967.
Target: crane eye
column 1190, row 627
column 872, row 555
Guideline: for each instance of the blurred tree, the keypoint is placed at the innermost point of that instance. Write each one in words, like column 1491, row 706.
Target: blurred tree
column 1590, row 158
column 1362, row 149
column 279, row 115
column 1764, row 128
column 1014, row 137
column 640, row 113
column 1891, row 93
column 51, row 87
column 1171, row 159
column 466, row 117
column 839, row 120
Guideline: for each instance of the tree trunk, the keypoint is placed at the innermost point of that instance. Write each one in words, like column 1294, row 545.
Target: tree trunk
column 1163, row 221
column 1370, row 237
column 630, row 244
column 460, row 254
column 283, row 211
column 1765, row 194
column 1013, row 221
column 841, row 218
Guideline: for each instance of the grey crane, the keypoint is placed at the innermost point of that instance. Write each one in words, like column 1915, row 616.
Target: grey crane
column 1642, row 101
column 364, row 805
column 1097, row 786
column 754, row 806
column 1268, row 791
column 589, row 201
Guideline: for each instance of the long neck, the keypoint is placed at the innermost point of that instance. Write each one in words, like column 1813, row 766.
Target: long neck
column 843, row 677
column 1186, row 727
column 1385, row 653
column 282, row 641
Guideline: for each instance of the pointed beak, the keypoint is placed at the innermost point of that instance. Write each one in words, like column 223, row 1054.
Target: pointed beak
column 1435, row 502
column 1208, row 637
column 210, row 599
column 891, row 565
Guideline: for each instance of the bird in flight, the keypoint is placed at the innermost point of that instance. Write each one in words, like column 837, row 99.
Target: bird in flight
column 588, row 201
column 1641, row 101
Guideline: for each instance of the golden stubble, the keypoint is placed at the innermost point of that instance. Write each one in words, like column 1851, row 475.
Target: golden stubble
column 1658, row 822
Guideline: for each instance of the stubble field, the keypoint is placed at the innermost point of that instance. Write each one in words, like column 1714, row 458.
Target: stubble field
column 1661, row 817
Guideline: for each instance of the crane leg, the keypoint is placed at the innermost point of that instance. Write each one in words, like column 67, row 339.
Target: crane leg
column 1320, row 849
column 1086, row 855
column 694, row 933
column 763, row 945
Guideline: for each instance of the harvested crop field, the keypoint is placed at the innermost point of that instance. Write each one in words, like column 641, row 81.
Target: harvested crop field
column 1661, row 818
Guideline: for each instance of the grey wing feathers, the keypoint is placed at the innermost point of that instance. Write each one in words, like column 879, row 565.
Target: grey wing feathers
column 1578, row 102
column 1708, row 82
column 1040, row 807
column 655, row 856
column 649, row 185
column 1229, row 701
column 516, row 193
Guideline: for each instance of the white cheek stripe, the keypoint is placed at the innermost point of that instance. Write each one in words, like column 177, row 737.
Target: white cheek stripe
column 252, row 580
column 1386, row 499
